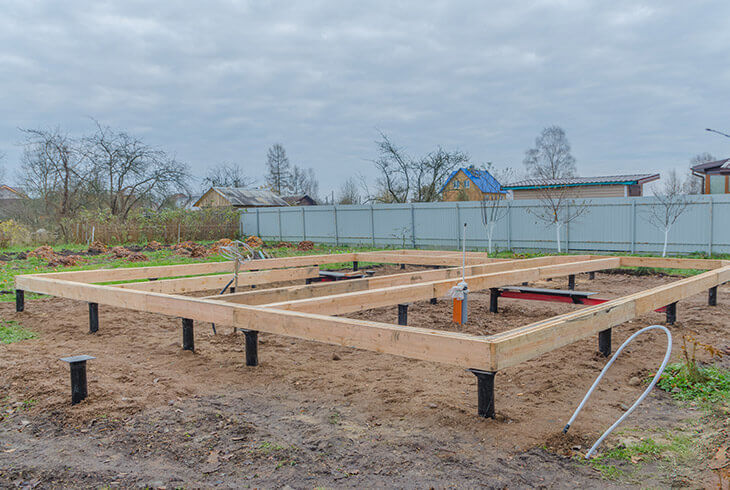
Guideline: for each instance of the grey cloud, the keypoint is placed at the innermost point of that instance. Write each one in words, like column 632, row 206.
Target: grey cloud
column 634, row 84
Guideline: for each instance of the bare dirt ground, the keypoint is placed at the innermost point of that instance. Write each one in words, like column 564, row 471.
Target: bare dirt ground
column 315, row 415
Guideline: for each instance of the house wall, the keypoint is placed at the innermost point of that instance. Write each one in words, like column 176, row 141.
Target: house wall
column 577, row 192
column 213, row 199
column 472, row 193
column 717, row 184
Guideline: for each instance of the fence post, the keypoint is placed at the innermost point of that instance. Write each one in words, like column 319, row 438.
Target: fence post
column 337, row 235
column 458, row 226
column 304, row 225
column 258, row 224
column 372, row 224
column 509, row 226
column 709, row 234
column 281, row 236
column 567, row 228
column 413, row 226
column 633, row 226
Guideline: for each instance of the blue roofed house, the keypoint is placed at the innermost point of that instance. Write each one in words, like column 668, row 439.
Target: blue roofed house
column 471, row 184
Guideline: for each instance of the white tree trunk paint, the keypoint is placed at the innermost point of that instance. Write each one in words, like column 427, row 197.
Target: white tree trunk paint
column 666, row 238
column 557, row 236
column 490, row 232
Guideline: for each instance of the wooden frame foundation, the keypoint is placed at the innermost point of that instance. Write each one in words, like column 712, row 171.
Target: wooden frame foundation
column 305, row 311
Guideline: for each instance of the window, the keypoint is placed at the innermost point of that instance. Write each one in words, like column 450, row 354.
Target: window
column 466, row 184
column 717, row 184
column 456, row 184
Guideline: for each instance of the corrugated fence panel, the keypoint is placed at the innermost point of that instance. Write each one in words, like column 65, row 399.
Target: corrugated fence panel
column 354, row 225
column 611, row 224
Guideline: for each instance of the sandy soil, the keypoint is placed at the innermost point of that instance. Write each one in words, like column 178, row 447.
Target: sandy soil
column 319, row 415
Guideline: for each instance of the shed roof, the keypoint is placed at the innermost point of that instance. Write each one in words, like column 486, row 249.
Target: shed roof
column 718, row 166
column 481, row 178
column 296, row 198
column 241, row 197
column 583, row 181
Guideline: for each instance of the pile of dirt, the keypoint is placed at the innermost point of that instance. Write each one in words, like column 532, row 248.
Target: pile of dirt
column 97, row 248
column 284, row 245
column 254, row 241
column 567, row 444
column 216, row 247
column 154, row 246
column 44, row 252
column 65, row 260
column 190, row 249
column 305, row 245
column 130, row 256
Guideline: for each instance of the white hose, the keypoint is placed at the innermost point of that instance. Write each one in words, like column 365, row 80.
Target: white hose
column 639, row 400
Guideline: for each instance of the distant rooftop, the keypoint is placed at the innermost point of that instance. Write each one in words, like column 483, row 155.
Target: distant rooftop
column 241, row 197
column 718, row 166
column 481, row 178
column 579, row 181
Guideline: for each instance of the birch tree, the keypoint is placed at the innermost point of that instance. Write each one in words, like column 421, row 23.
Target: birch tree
column 551, row 157
column 671, row 203
column 558, row 210
column 494, row 210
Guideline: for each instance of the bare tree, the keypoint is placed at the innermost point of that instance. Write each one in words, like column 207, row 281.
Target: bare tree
column 403, row 178
column 693, row 184
column 54, row 169
column 550, row 158
column 278, row 169
column 432, row 171
column 558, row 209
column 304, row 182
column 395, row 171
column 227, row 175
column 671, row 202
column 494, row 209
column 348, row 193
column 130, row 171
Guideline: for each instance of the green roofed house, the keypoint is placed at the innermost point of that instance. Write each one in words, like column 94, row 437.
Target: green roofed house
column 582, row 187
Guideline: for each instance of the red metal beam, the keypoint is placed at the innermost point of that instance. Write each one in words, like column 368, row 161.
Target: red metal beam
column 558, row 298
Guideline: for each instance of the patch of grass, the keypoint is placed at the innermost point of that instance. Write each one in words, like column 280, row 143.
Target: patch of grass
column 622, row 462
column 12, row 331
column 266, row 448
column 608, row 471
column 646, row 447
column 713, row 385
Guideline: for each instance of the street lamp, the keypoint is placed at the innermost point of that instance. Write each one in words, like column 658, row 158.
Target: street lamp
column 718, row 132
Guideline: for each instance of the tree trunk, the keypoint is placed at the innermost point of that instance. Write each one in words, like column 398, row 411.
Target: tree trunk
column 666, row 239
column 490, row 232
column 557, row 236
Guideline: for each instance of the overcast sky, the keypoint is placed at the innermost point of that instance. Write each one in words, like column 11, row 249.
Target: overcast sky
column 633, row 84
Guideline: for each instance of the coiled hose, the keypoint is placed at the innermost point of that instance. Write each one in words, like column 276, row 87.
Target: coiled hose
column 643, row 395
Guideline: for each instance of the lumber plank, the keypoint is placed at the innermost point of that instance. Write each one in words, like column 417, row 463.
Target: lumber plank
column 133, row 273
column 524, row 343
column 204, row 283
column 416, row 259
column 363, row 300
column 278, row 295
column 671, row 263
column 452, row 348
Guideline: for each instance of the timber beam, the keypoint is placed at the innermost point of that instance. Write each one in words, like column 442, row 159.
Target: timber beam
column 364, row 300
column 204, row 283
